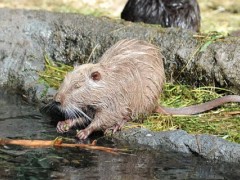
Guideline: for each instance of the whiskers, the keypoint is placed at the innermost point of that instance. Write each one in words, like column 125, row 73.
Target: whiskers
column 80, row 116
column 74, row 112
column 53, row 111
column 48, row 107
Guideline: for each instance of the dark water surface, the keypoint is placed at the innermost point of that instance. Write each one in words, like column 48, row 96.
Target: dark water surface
column 19, row 120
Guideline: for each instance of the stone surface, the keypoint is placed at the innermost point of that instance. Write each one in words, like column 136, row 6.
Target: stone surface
column 26, row 37
column 206, row 146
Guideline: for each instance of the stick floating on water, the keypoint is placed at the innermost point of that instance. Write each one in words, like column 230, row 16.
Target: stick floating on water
column 57, row 143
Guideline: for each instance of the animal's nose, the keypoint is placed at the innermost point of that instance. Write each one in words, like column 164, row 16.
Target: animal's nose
column 57, row 99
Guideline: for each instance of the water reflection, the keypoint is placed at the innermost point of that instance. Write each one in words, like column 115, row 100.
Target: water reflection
column 23, row 121
column 83, row 164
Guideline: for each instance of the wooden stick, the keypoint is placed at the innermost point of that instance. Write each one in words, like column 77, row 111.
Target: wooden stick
column 56, row 143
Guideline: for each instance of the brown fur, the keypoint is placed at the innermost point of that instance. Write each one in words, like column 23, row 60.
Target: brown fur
column 125, row 83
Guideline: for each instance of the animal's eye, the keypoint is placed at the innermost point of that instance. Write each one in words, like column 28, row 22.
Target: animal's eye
column 96, row 76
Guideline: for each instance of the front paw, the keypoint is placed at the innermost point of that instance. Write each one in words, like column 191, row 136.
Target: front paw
column 63, row 126
column 83, row 134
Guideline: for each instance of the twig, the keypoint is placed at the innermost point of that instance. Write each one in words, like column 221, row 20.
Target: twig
column 57, row 143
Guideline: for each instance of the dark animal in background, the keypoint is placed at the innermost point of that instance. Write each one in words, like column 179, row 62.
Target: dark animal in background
column 168, row 13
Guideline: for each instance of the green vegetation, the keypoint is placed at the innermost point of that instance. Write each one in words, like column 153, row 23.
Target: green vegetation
column 223, row 122
column 208, row 38
column 220, row 15
column 54, row 73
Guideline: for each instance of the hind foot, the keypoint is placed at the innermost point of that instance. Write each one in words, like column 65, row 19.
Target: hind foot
column 115, row 128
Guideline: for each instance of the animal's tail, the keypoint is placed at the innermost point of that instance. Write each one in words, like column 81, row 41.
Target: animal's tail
column 199, row 108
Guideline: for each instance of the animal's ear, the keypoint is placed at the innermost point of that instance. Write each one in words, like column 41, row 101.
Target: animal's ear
column 96, row 76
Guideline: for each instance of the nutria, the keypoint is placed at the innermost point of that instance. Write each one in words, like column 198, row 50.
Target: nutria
column 124, row 84
column 168, row 13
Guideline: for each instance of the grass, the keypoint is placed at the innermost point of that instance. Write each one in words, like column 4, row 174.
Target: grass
column 223, row 122
column 206, row 39
column 220, row 15
column 111, row 8
column 54, row 73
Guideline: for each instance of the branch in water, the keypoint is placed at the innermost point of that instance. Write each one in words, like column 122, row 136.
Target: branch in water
column 57, row 143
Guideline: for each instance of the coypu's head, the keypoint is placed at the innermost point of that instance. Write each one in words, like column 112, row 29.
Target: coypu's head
column 80, row 90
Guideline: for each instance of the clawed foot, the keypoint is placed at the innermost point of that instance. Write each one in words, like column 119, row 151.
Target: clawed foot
column 83, row 134
column 115, row 128
column 64, row 126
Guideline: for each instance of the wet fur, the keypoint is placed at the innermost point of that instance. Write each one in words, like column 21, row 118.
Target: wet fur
column 132, row 77
column 125, row 84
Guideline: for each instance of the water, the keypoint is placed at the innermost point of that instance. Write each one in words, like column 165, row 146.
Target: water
column 20, row 120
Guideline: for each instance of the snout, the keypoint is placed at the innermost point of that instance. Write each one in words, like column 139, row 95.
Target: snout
column 56, row 104
column 59, row 99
